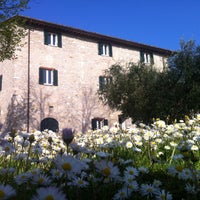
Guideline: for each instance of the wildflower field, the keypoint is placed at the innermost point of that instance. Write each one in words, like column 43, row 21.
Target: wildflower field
column 157, row 161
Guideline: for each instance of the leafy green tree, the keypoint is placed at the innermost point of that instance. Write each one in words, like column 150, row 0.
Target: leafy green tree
column 10, row 31
column 131, row 90
column 143, row 93
column 182, row 82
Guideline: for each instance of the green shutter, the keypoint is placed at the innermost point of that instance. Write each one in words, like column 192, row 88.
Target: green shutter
column 110, row 50
column 101, row 82
column 105, row 122
column 1, row 77
column 100, row 48
column 152, row 59
column 141, row 56
column 55, row 77
column 46, row 38
column 59, row 40
column 41, row 81
column 94, row 124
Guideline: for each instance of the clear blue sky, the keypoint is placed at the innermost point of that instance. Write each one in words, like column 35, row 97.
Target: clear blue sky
column 160, row 23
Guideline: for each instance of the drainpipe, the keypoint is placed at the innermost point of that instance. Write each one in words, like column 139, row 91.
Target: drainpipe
column 28, row 83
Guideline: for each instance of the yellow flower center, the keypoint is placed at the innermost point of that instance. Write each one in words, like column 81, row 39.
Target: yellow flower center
column 67, row 166
column 49, row 197
column 163, row 196
column 106, row 171
column 131, row 172
column 2, row 194
column 40, row 180
column 80, row 182
column 149, row 190
column 7, row 149
column 179, row 168
column 57, row 173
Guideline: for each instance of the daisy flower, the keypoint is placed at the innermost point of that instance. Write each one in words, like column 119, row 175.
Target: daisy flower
column 191, row 189
column 143, row 170
column 22, row 178
column 52, row 193
column 129, row 145
column 7, row 149
column 79, row 182
column 123, row 193
column 107, row 169
column 163, row 195
column 41, row 179
column 56, row 173
column 6, row 191
column 147, row 190
column 131, row 183
column 157, row 183
column 131, row 171
column 185, row 174
column 70, row 165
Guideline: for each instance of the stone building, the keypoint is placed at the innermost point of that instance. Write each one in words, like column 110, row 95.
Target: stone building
column 53, row 82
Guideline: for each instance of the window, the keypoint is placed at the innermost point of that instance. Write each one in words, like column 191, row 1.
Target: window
column 105, row 49
column 1, row 77
column 146, row 58
column 98, row 123
column 48, row 76
column 52, row 39
column 104, row 81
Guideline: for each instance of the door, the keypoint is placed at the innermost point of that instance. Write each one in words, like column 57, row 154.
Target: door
column 50, row 124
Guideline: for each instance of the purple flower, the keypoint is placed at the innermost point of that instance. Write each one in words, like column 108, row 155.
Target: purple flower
column 68, row 135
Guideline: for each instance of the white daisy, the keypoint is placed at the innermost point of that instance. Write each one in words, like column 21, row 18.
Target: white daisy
column 148, row 190
column 163, row 195
column 52, row 193
column 70, row 165
column 123, row 193
column 131, row 171
column 129, row 145
column 6, row 191
column 56, row 173
column 22, row 178
column 107, row 169
column 41, row 179
column 79, row 182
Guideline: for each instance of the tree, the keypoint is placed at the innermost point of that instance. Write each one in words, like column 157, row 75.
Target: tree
column 143, row 93
column 131, row 90
column 10, row 31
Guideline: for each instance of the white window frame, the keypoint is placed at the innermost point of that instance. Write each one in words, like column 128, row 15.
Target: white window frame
column 52, row 39
column 48, row 73
column 147, row 58
column 105, row 50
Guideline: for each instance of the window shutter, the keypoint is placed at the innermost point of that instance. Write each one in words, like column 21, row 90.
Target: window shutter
column 1, row 77
column 41, row 80
column 94, row 124
column 46, row 38
column 55, row 77
column 105, row 122
column 59, row 40
column 101, row 82
column 141, row 56
column 110, row 50
column 151, row 58
column 100, row 48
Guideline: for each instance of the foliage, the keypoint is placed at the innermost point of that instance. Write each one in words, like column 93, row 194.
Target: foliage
column 142, row 92
column 156, row 161
column 10, row 32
